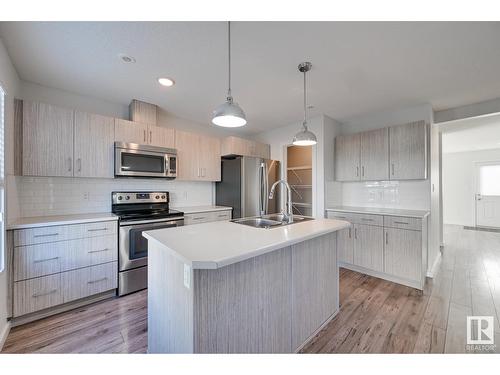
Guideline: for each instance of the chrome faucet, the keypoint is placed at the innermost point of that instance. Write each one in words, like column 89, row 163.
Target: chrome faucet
column 288, row 215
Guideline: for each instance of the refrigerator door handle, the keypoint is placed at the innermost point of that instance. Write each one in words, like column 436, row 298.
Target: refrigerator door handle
column 266, row 187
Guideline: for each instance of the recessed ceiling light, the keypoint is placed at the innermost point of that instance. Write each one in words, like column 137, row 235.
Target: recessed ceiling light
column 126, row 58
column 166, row 82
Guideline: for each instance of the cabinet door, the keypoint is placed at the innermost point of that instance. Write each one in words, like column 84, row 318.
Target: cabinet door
column 403, row 253
column 375, row 155
column 347, row 154
column 187, row 145
column 408, row 151
column 161, row 137
column 345, row 245
column 47, row 140
column 209, row 159
column 369, row 247
column 94, row 137
column 262, row 150
column 131, row 132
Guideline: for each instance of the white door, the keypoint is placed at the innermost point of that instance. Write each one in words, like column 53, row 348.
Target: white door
column 488, row 194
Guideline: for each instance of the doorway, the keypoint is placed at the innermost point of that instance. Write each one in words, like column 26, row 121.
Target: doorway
column 299, row 177
column 487, row 194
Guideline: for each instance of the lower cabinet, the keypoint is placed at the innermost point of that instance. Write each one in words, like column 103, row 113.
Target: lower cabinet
column 403, row 253
column 369, row 247
column 389, row 247
column 59, row 264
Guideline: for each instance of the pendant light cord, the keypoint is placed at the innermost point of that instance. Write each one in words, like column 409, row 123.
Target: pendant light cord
column 229, row 56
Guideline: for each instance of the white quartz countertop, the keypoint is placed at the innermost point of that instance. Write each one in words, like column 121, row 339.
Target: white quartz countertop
column 381, row 211
column 218, row 244
column 197, row 209
column 47, row 221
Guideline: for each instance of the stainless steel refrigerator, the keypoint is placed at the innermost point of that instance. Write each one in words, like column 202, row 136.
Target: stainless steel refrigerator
column 245, row 185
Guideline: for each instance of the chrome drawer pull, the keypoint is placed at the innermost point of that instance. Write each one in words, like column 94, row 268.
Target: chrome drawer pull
column 198, row 218
column 46, row 235
column 36, row 295
column 96, row 230
column 224, row 215
column 401, row 222
column 98, row 251
column 366, row 219
column 44, row 260
column 341, row 217
column 96, row 281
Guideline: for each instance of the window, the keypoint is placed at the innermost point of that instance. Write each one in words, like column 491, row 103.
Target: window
column 2, row 180
column 489, row 180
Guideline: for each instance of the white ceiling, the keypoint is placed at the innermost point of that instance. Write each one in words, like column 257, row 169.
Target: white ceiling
column 480, row 133
column 358, row 67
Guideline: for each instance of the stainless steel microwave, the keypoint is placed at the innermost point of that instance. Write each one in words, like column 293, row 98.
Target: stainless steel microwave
column 134, row 160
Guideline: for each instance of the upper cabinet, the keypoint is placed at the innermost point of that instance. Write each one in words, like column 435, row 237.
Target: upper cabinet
column 93, row 146
column 198, row 157
column 408, row 151
column 395, row 153
column 46, row 139
column 245, row 147
column 144, row 134
column 347, row 151
column 375, row 155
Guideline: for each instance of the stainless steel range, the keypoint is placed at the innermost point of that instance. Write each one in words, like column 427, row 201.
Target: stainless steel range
column 139, row 212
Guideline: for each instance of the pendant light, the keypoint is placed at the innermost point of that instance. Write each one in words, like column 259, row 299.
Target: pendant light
column 229, row 114
column 304, row 137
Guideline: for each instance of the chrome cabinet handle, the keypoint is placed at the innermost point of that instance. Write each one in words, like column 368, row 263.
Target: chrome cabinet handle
column 45, row 260
column 357, row 171
column 46, row 235
column 356, row 233
column 96, row 230
column 36, row 295
column 96, row 281
column 150, row 136
column 144, row 135
column 401, row 222
column 223, row 215
column 350, row 232
column 392, row 166
column 198, row 218
column 386, row 238
column 364, row 219
column 363, row 171
column 79, row 162
column 69, row 164
column 98, row 251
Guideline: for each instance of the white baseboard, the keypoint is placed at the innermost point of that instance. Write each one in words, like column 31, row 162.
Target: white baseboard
column 4, row 334
column 435, row 266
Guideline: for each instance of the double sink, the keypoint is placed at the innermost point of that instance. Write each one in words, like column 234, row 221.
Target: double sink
column 270, row 221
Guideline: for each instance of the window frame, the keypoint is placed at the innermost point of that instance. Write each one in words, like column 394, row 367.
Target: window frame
column 3, row 187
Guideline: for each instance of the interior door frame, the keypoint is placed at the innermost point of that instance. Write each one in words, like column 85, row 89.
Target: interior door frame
column 476, row 183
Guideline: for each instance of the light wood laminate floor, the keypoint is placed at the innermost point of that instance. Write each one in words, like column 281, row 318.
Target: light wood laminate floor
column 375, row 316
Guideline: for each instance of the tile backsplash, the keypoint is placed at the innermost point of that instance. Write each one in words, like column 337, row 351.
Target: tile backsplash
column 388, row 194
column 41, row 196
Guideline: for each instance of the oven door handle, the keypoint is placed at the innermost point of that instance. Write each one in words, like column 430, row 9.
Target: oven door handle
column 178, row 221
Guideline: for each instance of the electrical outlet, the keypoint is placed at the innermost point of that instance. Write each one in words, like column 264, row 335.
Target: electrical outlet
column 86, row 196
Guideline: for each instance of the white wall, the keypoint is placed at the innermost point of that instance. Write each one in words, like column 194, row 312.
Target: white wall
column 458, row 184
column 10, row 83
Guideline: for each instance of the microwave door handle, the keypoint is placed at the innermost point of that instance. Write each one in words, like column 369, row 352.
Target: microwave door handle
column 166, row 166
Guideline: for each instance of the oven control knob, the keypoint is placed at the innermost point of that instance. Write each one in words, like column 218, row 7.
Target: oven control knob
column 157, row 197
column 120, row 198
column 162, row 197
column 127, row 197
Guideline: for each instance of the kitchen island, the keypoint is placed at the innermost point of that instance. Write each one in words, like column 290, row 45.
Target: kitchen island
column 223, row 287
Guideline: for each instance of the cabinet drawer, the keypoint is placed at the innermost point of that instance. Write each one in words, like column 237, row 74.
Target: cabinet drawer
column 403, row 222
column 221, row 215
column 202, row 217
column 37, row 294
column 45, row 259
column 347, row 216
column 34, row 236
column 368, row 219
column 85, row 282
